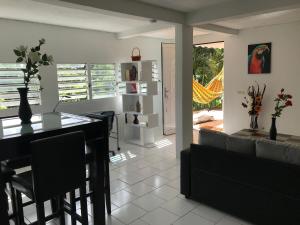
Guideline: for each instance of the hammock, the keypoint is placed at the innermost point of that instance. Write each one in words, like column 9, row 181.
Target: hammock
column 211, row 91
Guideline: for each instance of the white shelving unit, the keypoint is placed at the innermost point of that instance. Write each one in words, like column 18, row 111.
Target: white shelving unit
column 141, row 90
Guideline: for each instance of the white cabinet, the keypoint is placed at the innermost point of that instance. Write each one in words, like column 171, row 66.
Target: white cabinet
column 140, row 79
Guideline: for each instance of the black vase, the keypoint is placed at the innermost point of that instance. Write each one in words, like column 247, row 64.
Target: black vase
column 136, row 120
column 273, row 130
column 25, row 112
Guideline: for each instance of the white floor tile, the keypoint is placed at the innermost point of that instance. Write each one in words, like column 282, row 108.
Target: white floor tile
column 179, row 206
column 128, row 213
column 140, row 188
column 165, row 192
column 122, row 197
column 148, row 202
column 174, row 184
column 160, row 217
column 117, row 185
column 209, row 213
column 192, row 219
column 156, row 181
column 132, row 178
column 139, row 222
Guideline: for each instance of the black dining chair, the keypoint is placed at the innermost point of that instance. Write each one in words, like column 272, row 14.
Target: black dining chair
column 58, row 167
column 7, row 174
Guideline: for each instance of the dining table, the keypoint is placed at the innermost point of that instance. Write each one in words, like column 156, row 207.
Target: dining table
column 15, row 139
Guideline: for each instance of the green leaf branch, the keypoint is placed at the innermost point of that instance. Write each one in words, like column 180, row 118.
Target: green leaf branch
column 33, row 59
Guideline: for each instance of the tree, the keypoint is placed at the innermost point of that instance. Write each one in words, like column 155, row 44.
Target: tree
column 207, row 63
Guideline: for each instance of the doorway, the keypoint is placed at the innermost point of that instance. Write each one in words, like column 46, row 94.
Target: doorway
column 208, row 87
column 168, row 88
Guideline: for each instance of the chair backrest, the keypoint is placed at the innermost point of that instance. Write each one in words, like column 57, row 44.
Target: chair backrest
column 58, row 164
column 110, row 117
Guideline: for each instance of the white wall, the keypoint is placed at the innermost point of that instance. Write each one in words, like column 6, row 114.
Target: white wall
column 285, row 74
column 68, row 45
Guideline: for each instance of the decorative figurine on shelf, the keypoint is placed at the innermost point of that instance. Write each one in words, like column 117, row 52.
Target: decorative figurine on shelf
column 133, row 73
column 136, row 120
column 138, row 106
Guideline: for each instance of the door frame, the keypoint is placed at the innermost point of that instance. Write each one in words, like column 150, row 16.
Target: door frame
column 162, row 87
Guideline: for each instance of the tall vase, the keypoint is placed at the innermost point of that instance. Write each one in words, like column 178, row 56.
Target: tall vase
column 253, row 122
column 273, row 129
column 25, row 112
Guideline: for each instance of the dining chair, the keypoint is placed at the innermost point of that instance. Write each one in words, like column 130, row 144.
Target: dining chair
column 7, row 174
column 58, row 167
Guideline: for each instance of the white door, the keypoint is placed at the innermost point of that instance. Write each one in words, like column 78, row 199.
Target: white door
column 168, row 73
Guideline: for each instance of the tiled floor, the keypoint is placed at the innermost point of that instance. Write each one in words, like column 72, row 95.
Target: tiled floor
column 145, row 191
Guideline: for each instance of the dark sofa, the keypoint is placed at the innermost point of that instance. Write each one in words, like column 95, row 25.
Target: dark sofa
column 258, row 190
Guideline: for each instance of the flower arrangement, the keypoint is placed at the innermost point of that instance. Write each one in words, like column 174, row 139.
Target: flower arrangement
column 33, row 59
column 253, row 102
column 282, row 101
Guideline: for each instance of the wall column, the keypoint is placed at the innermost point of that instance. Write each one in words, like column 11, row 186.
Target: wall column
column 184, row 91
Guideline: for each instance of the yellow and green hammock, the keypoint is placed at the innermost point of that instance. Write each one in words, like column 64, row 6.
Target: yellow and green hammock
column 211, row 91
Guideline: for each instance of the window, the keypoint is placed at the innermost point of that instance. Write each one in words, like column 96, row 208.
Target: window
column 72, row 82
column 103, row 80
column 11, row 78
column 86, row 81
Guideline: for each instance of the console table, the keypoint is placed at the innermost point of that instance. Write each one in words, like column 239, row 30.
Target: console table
column 263, row 134
column 16, row 137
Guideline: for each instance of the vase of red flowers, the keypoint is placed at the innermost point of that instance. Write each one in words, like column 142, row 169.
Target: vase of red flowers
column 281, row 101
column 253, row 102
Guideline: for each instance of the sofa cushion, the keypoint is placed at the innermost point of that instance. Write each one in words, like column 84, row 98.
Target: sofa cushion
column 240, row 144
column 212, row 138
column 274, row 150
column 293, row 154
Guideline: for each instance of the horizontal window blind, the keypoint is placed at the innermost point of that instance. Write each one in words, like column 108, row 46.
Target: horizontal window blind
column 11, row 78
column 103, row 80
column 72, row 82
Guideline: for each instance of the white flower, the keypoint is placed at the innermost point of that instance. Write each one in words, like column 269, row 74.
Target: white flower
column 22, row 48
column 34, row 57
column 42, row 41
column 50, row 58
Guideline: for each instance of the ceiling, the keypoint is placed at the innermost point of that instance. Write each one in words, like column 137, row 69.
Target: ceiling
column 29, row 10
column 79, row 17
column 169, row 33
column 183, row 5
column 266, row 19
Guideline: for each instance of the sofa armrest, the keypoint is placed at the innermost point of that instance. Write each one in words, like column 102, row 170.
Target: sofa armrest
column 185, row 174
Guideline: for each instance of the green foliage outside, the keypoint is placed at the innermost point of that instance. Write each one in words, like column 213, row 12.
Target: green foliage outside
column 207, row 63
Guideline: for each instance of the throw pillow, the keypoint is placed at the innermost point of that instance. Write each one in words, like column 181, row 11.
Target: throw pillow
column 212, row 138
column 240, row 144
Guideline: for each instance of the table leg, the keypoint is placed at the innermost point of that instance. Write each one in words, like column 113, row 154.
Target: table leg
column 3, row 202
column 98, row 190
column 107, row 184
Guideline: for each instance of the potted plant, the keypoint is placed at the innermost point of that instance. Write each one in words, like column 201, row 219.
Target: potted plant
column 32, row 59
column 253, row 102
column 281, row 101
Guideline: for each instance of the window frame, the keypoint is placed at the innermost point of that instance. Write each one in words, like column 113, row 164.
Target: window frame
column 34, row 95
column 89, row 81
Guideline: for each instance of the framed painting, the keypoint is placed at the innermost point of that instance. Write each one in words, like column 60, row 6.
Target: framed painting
column 259, row 58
